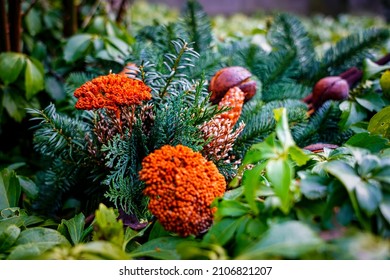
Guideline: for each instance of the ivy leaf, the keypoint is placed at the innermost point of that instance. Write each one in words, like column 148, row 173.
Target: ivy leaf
column 11, row 65
column 290, row 239
column 77, row 46
column 34, row 77
column 279, row 173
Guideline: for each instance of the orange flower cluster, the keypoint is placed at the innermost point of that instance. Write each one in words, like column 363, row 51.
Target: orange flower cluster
column 233, row 99
column 181, row 185
column 111, row 92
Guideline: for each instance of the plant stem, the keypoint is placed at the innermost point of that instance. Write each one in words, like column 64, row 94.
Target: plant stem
column 70, row 17
column 15, row 24
column 5, row 45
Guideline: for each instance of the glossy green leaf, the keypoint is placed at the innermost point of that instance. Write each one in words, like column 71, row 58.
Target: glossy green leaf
column 372, row 102
column 35, row 241
column 75, row 227
column 314, row 187
column 380, row 123
column 231, row 208
column 374, row 143
column 107, row 227
column 368, row 196
column 223, row 231
column 385, row 208
column 298, row 155
column 34, row 78
column 163, row 248
column 345, row 173
column 11, row 65
column 351, row 113
column 29, row 187
column 290, row 239
column 77, row 46
column 8, row 237
column 99, row 250
column 14, row 103
column 33, row 22
column 251, row 182
column 282, row 129
column 370, row 68
column 279, row 173
column 10, row 189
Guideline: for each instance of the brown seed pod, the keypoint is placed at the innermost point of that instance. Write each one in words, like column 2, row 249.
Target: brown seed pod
column 330, row 88
column 229, row 77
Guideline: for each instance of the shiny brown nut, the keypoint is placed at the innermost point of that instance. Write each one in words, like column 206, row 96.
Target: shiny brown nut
column 329, row 88
column 229, row 77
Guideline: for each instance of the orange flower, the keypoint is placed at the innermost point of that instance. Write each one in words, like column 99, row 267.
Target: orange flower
column 181, row 185
column 111, row 92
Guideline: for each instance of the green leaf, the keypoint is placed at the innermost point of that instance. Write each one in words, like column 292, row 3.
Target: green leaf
column 12, row 102
column 99, row 250
column 107, row 227
column 368, row 196
column 298, row 155
column 75, row 227
column 11, row 65
column 352, row 113
column 279, row 173
column 385, row 208
column 34, row 78
column 35, row 241
column 289, row 239
column 231, row 208
column 380, row 123
column 8, row 237
column 313, row 186
column 163, row 248
column 345, row 173
column 158, row 231
column 365, row 140
column 282, row 129
column 77, row 46
column 371, row 101
column 33, row 22
column 29, row 187
column 10, row 189
column 251, row 182
column 223, row 231
column 370, row 68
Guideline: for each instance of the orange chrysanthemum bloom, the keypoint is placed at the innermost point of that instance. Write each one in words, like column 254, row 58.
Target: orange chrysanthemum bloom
column 111, row 92
column 181, row 185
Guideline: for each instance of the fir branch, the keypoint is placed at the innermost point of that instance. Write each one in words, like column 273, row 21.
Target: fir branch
column 57, row 135
column 260, row 123
column 197, row 25
column 289, row 34
column 322, row 127
column 351, row 50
